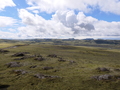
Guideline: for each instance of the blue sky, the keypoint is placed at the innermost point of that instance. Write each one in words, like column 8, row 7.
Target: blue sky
column 28, row 19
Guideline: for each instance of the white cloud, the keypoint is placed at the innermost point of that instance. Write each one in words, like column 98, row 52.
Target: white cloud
column 36, row 26
column 49, row 6
column 35, row 11
column 5, row 3
column 108, row 28
column 8, row 35
column 7, row 21
column 65, row 24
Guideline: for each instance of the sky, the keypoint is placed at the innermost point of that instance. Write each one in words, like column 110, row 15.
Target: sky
column 32, row 19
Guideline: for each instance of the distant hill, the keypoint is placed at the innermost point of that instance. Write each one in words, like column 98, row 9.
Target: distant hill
column 75, row 42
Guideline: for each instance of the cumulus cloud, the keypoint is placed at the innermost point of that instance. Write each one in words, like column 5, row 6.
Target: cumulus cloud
column 107, row 28
column 64, row 24
column 8, row 35
column 50, row 6
column 5, row 3
column 36, row 26
column 7, row 21
column 87, row 26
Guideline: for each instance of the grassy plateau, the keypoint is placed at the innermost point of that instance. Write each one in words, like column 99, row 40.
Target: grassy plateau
column 73, row 66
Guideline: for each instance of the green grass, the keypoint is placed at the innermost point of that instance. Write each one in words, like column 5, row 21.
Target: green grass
column 75, row 76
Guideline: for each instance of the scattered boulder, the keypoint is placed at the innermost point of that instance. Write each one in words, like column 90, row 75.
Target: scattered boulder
column 39, row 59
column 41, row 76
column 102, row 77
column 33, row 66
column 52, row 55
column 20, row 54
column 71, row 61
column 4, row 87
column 24, row 57
column 117, row 69
column 117, row 77
column 19, row 72
column 47, row 68
column 19, row 58
column 102, row 69
column 13, row 64
column 61, row 60
column 3, row 51
column 106, row 77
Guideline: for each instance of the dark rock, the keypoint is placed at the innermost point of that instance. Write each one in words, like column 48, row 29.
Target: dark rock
column 19, row 58
column 117, row 69
column 13, row 64
column 19, row 72
column 102, row 69
column 41, row 76
column 47, row 68
column 117, row 77
column 3, row 51
column 39, row 59
column 102, row 77
column 4, row 87
column 33, row 66
column 72, row 61
column 61, row 60
column 20, row 54
column 24, row 57
column 52, row 55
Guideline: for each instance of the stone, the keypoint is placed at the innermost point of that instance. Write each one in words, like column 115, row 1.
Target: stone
column 3, row 51
column 117, row 69
column 20, row 54
column 52, row 55
column 39, row 59
column 102, row 77
column 41, row 76
column 24, row 57
column 33, row 66
column 102, row 69
column 61, row 60
column 19, row 58
column 72, row 61
column 4, row 87
column 47, row 68
column 13, row 64
column 18, row 72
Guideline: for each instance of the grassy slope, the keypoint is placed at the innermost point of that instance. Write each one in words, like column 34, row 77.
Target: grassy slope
column 75, row 76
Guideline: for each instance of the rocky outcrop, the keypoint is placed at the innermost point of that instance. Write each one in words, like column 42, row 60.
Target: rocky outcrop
column 61, row 60
column 103, row 69
column 19, row 72
column 106, row 77
column 41, row 76
column 102, row 77
column 13, row 64
column 39, row 59
column 52, row 55
column 20, row 54
column 3, row 51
